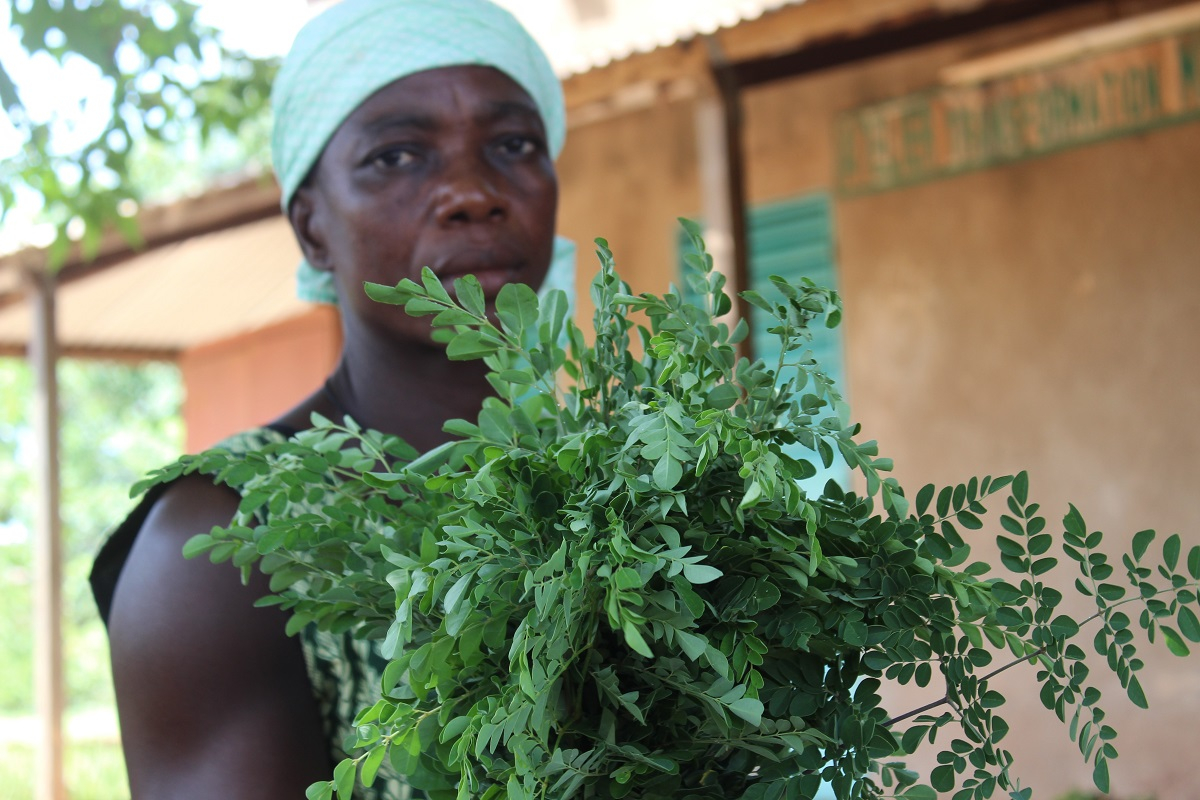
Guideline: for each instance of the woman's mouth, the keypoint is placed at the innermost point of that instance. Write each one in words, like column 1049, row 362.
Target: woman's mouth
column 492, row 275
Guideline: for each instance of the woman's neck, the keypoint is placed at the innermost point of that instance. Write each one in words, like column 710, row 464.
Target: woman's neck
column 409, row 391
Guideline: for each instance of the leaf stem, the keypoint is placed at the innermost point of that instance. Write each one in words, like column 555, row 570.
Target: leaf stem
column 946, row 699
column 1041, row 650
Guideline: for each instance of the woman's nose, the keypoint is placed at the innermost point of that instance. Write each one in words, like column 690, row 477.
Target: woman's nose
column 469, row 193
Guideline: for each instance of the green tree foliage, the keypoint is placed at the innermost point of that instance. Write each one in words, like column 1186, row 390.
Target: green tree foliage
column 117, row 422
column 169, row 80
column 612, row 585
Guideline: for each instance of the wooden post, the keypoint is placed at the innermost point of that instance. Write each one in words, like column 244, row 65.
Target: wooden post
column 711, row 155
column 723, row 184
column 47, row 543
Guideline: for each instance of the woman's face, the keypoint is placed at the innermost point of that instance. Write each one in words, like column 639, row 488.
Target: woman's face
column 447, row 169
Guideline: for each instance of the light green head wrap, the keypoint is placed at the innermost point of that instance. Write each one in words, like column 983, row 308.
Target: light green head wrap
column 357, row 47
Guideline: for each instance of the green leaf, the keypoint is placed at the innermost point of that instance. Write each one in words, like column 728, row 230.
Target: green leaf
column 1171, row 551
column 1064, row 627
column 372, row 763
column 625, row 579
column 692, row 645
column 457, row 591
column 753, row 493
column 633, row 637
column 693, row 229
column 1043, row 565
column 1100, row 775
column 919, row 792
column 433, row 286
column 1011, row 547
column 343, row 778
column 968, row 520
column 855, row 634
column 200, row 543
column 1009, row 617
column 913, row 737
column 1189, row 625
column 700, row 573
column 1006, row 593
column 723, row 396
column 1141, row 541
column 470, row 295
column 396, row 296
column 667, row 473
column 924, row 498
column 1020, row 488
column 923, row 674
column 1136, row 695
column 454, row 728
column 755, row 299
column 517, row 376
column 717, row 660
column 749, row 709
column 1074, row 524
column 1174, row 641
column 453, row 316
column 320, row 791
column 943, row 501
column 382, row 480
column 469, row 345
column 517, row 307
column 423, row 307
column 943, row 778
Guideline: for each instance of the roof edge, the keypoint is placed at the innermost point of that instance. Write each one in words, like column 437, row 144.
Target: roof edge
column 159, row 225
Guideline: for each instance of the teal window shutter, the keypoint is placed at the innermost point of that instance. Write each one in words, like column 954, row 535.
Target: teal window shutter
column 793, row 239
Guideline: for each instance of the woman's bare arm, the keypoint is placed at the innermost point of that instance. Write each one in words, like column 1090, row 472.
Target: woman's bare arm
column 213, row 697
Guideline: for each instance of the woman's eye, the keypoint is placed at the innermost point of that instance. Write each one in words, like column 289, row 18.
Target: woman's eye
column 390, row 159
column 519, row 145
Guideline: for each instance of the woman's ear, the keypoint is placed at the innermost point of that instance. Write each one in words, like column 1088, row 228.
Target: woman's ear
column 305, row 217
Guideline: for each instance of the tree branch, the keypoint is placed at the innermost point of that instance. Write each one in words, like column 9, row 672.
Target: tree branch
column 946, row 699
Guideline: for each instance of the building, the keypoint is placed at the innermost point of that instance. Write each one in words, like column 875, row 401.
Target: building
column 1006, row 193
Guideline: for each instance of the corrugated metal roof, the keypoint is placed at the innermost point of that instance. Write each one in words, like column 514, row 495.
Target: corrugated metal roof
column 579, row 35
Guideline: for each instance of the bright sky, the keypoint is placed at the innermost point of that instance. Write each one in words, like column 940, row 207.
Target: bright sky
column 260, row 27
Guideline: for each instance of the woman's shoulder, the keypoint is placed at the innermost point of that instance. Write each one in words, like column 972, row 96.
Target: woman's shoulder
column 171, row 507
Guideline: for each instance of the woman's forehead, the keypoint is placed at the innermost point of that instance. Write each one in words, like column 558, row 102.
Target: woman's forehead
column 426, row 98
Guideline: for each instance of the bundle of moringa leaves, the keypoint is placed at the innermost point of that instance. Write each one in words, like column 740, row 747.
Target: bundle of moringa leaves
column 612, row 585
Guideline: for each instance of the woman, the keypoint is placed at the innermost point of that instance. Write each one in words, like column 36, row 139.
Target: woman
column 408, row 133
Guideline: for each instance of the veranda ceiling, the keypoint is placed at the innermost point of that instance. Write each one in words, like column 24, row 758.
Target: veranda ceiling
column 174, row 297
